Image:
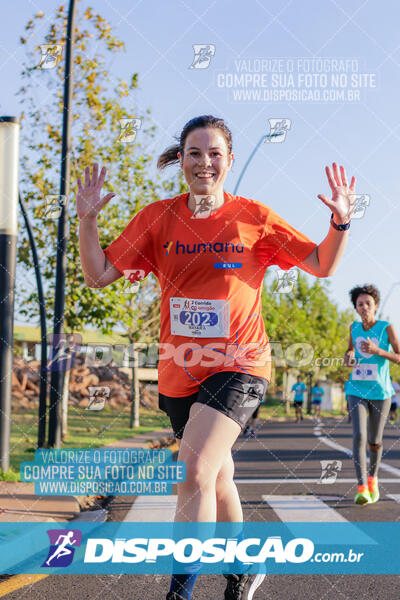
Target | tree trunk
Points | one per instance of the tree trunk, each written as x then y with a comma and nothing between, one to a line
286,392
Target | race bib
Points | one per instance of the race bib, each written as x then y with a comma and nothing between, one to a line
365,372
191,317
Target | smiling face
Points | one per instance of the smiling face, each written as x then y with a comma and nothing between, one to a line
366,307
206,160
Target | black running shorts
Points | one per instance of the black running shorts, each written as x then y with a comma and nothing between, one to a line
236,395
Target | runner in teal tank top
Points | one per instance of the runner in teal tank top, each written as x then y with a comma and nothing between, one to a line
370,379
369,388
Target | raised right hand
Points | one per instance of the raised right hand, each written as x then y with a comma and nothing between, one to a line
88,200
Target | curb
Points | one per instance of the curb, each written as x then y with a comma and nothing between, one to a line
92,516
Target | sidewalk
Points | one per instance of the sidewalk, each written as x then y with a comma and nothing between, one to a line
18,502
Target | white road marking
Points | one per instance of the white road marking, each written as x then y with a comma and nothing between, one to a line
303,509
328,442
297,509
160,509
389,468
395,497
335,445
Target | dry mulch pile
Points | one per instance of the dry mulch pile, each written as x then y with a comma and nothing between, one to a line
26,385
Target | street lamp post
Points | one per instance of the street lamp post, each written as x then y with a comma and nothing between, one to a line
9,150
248,162
43,332
263,138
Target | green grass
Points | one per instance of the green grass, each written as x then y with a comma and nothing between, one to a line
90,429
274,408
86,429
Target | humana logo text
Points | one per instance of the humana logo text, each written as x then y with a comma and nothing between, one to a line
207,247
187,550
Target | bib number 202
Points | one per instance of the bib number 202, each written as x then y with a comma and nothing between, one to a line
197,319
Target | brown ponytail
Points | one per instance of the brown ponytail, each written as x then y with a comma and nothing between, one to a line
168,157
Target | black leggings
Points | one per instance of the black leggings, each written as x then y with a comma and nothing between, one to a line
377,411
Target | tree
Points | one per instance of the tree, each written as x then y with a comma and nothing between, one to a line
306,321
99,103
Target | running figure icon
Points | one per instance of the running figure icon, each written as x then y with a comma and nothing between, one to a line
331,470
63,543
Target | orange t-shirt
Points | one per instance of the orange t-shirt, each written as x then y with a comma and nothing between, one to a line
211,272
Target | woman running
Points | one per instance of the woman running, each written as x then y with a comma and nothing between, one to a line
369,388
209,250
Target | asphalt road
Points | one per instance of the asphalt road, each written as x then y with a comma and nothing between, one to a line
282,460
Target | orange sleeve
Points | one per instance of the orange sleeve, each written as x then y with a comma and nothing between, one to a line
132,251
281,244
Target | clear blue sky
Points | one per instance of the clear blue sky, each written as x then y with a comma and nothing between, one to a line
363,135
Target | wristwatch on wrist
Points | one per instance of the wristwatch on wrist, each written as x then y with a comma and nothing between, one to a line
343,227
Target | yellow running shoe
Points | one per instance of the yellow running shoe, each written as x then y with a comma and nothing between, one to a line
363,496
373,488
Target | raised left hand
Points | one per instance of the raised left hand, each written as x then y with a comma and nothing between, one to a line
343,197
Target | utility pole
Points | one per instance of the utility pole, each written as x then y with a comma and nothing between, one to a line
56,387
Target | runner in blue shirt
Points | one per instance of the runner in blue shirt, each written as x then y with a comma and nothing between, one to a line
298,388
316,398
369,388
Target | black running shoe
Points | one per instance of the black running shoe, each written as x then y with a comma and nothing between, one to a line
242,587
174,596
